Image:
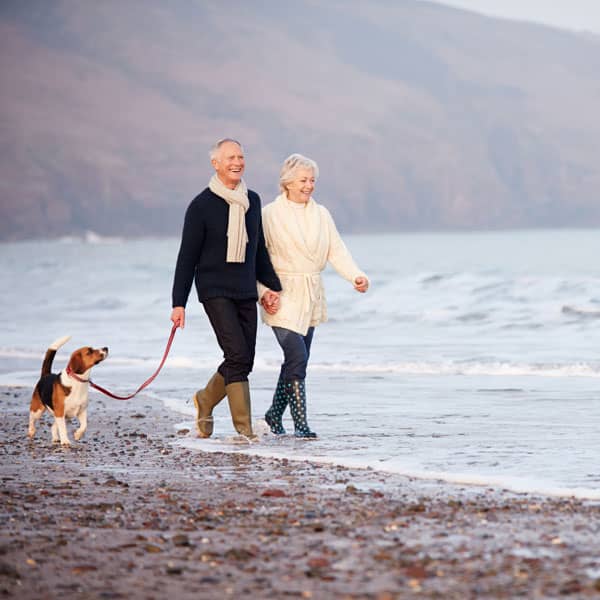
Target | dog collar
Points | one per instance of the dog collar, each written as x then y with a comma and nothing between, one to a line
74,375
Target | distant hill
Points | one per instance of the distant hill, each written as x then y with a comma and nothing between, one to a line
420,116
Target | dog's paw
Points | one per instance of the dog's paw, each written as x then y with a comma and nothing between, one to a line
78,435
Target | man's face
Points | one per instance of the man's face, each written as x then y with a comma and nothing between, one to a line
229,164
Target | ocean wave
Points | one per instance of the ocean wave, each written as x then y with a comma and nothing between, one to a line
462,368
582,313
90,237
435,278
448,368
444,368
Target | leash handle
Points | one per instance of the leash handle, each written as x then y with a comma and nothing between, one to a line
146,383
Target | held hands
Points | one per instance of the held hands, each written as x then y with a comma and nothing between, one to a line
270,301
178,316
361,284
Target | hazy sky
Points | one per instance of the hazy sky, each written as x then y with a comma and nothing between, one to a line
567,14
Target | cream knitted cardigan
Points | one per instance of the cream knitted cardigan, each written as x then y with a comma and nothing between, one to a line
299,253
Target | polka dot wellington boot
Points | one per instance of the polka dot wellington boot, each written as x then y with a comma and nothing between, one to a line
274,415
297,398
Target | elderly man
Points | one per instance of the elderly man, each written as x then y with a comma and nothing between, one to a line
223,248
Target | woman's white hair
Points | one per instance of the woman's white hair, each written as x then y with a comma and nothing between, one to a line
214,149
290,165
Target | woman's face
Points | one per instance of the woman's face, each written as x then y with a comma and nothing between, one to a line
300,189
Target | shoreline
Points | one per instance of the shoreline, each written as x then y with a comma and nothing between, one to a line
125,513
424,479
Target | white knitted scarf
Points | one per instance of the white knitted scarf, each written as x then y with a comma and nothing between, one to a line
237,236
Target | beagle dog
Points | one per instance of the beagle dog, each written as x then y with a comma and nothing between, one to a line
65,394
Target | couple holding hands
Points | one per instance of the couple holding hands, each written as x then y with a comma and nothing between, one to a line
238,254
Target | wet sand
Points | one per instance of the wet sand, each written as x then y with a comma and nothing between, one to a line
125,514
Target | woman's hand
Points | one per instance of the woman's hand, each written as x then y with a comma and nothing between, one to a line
361,284
270,301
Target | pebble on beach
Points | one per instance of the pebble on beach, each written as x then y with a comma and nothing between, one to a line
125,513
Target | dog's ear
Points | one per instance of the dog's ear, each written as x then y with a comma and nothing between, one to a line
76,363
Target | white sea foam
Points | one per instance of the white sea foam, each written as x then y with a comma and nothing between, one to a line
466,368
463,367
92,237
513,484
89,237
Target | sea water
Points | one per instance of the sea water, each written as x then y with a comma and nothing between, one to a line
473,358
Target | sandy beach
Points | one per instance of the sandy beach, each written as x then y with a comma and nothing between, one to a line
126,514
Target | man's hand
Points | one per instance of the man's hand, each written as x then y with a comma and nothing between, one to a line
178,316
270,301
361,284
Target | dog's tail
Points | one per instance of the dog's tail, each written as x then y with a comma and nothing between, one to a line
51,353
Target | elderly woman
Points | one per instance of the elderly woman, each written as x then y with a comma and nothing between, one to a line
301,238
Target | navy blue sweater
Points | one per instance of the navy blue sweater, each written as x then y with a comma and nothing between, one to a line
203,253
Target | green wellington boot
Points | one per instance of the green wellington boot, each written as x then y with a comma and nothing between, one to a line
296,393
274,415
238,394
205,400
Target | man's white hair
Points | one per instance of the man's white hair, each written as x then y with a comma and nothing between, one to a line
214,150
290,165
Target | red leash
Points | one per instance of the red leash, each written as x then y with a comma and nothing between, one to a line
145,384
